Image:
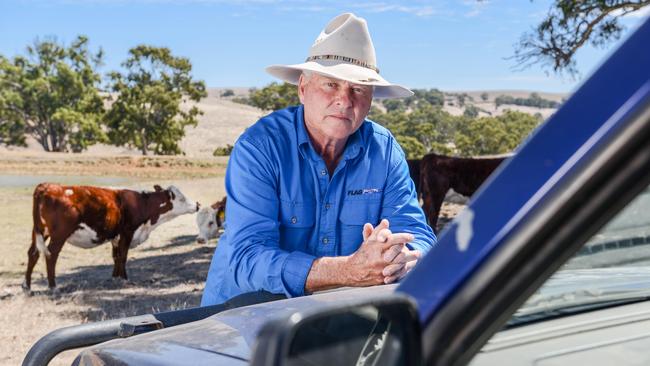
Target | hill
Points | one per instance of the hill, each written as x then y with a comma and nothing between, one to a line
224,120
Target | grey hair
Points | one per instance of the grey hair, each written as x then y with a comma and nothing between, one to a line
307,74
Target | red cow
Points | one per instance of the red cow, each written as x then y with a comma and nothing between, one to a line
436,174
89,216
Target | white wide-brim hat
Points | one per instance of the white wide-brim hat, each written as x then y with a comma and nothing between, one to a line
344,51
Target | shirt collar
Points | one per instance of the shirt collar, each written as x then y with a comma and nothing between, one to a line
354,145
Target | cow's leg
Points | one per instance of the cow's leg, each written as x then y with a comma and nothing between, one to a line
433,193
115,245
32,258
56,243
437,200
120,253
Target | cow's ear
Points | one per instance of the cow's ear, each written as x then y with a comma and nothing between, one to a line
157,188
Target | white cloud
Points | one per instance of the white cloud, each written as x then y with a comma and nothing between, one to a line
424,10
476,7
382,7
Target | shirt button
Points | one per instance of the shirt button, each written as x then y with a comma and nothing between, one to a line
323,172
294,220
325,241
327,206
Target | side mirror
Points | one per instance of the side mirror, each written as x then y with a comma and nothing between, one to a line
375,332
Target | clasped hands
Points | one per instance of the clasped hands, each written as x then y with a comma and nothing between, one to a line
383,257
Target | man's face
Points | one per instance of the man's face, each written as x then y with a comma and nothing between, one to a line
334,108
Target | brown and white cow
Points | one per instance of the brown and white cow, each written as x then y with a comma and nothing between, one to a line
210,219
86,217
436,174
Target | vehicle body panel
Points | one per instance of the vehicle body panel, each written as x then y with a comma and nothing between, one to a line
229,334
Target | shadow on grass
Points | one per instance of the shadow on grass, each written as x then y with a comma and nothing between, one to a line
178,241
157,283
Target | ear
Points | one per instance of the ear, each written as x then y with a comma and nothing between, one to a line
157,188
301,88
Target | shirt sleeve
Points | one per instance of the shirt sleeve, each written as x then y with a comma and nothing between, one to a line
254,256
401,206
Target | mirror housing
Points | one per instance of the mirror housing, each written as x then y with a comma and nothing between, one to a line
382,331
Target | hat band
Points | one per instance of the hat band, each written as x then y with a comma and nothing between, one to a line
344,59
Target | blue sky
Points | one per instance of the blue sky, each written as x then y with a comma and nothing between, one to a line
450,45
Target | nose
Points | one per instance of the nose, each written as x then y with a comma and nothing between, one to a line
343,97
200,240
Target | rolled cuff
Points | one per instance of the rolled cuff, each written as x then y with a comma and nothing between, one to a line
295,271
422,246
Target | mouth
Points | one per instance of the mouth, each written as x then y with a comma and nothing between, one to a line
340,117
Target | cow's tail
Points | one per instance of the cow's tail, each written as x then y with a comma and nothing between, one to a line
38,231
414,171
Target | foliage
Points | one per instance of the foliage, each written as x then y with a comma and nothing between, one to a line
570,25
411,146
485,96
274,96
228,93
420,125
471,111
52,95
223,151
394,105
433,97
494,135
147,112
533,101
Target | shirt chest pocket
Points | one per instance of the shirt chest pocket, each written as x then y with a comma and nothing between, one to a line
296,225
354,214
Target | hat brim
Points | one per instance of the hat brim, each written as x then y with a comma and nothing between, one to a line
343,71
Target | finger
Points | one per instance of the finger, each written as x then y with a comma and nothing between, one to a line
367,230
391,253
400,274
392,268
383,235
412,255
382,225
407,268
400,238
399,258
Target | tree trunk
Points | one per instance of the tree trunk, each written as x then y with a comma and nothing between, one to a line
145,143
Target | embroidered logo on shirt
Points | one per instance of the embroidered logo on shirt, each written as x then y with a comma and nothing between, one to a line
356,192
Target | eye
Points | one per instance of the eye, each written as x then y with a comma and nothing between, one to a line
210,223
360,90
330,84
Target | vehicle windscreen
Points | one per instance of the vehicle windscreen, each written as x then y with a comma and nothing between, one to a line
611,269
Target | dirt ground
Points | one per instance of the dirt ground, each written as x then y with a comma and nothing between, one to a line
167,272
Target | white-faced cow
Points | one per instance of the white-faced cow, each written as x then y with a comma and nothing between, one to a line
210,219
87,216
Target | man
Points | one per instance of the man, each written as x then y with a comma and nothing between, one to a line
319,197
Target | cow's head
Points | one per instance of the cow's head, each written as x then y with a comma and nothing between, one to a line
209,220
180,203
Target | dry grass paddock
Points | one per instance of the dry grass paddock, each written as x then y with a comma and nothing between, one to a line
166,272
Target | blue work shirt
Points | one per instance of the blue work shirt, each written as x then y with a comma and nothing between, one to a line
284,210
